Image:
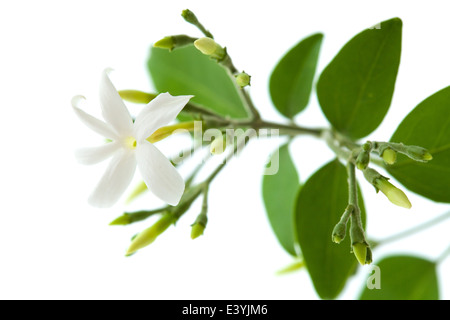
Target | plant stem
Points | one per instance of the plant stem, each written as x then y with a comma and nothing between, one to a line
143,214
353,201
205,200
443,255
352,186
288,129
333,144
415,229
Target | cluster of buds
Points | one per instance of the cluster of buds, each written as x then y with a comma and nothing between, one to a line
388,151
360,247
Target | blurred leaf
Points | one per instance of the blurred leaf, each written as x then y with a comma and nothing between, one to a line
320,204
186,71
428,126
404,278
355,90
279,195
293,267
291,80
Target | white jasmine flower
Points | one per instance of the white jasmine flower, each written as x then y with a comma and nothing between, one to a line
129,147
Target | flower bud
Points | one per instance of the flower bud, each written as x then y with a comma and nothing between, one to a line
243,79
363,159
362,252
189,16
149,235
367,146
418,153
395,195
136,96
218,146
173,42
389,156
121,221
339,232
197,230
165,43
137,191
210,48
164,132
198,227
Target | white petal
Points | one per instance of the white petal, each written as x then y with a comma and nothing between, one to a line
113,108
93,123
96,154
115,180
159,112
159,174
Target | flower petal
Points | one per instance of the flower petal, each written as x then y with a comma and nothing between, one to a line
159,174
96,154
102,128
159,112
113,108
115,180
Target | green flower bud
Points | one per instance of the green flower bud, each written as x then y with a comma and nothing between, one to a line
137,191
136,96
173,42
197,230
389,156
339,232
189,16
340,228
198,227
367,146
243,79
210,48
418,153
395,195
218,146
363,159
362,252
149,235
121,221
165,43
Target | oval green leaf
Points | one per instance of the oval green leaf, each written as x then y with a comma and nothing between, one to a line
320,204
291,80
355,90
280,187
186,71
403,278
428,126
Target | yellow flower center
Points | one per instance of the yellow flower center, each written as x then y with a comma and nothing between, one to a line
130,142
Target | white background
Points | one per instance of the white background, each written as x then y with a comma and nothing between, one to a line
53,245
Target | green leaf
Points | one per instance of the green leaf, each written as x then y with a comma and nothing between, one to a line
279,194
404,278
291,80
355,90
427,126
320,204
186,71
